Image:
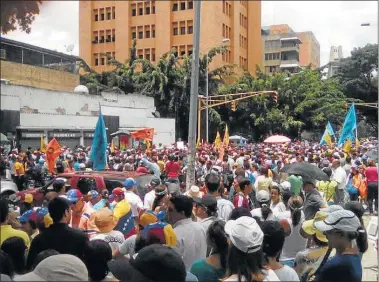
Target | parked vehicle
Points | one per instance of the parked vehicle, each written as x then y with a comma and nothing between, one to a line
8,187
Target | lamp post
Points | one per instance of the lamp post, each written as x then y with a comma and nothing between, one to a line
225,40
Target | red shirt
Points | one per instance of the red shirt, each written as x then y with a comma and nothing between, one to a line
240,201
172,169
371,174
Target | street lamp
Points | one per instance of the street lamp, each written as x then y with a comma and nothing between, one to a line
224,41
368,24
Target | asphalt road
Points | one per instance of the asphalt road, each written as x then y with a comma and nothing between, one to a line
370,260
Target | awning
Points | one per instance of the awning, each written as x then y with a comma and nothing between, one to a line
75,128
121,131
296,39
283,66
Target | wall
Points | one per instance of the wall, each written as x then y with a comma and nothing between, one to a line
28,75
309,50
40,108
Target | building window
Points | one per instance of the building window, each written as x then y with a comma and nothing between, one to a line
109,38
153,7
134,13
153,31
190,29
190,50
134,35
183,30
190,4
147,34
114,55
102,16
223,6
96,17
114,12
140,35
147,57
140,11
140,53
153,54
175,7
175,29
147,11
182,5
96,61
102,61
109,14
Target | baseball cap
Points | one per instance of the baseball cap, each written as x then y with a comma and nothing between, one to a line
129,183
70,268
155,182
28,215
74,195
44,217
309,229
245,234
118,192
142,169
343,220
206,201
104,220
153,263
147,218
331,208
161,231
93,194
263,196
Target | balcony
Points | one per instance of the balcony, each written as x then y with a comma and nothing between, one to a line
295,48
289,63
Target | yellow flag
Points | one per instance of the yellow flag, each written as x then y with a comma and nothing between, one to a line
347,146
357,143
198,144
226,137
42,145
328,139
148,145
112,147
217,142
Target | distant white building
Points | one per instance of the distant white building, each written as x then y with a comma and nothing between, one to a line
335,57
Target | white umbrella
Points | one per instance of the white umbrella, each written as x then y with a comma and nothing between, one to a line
277,139
236,138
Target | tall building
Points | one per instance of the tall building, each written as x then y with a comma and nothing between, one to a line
335,57
309,50
285,49
158,26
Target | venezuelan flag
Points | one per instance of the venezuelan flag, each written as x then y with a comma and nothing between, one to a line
123,213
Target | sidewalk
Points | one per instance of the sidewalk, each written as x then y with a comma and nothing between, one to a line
369,260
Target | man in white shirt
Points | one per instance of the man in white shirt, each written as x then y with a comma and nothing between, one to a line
191,237
133,199
150,196
339,175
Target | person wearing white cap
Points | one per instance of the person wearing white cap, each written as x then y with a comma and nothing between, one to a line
264,212
245,258
341,228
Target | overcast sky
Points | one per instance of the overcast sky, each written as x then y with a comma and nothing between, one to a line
332,22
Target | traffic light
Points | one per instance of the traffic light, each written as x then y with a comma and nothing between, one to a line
275,97
234,105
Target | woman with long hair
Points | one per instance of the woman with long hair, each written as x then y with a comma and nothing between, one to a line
294,241
245,258
342,229
213,267
264,212
161,198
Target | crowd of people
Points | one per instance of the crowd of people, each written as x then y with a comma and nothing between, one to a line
245,218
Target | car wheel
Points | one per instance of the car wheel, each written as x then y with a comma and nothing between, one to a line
6,194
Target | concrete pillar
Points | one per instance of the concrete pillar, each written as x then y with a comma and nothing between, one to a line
81,142
46,137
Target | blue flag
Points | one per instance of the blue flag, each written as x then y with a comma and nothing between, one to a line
329,132
99,144
349,126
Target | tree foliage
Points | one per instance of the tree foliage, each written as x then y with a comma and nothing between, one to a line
306,101
18,13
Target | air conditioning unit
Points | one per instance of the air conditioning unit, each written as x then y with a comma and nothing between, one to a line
3,54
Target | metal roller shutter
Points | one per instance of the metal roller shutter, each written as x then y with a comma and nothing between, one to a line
34,143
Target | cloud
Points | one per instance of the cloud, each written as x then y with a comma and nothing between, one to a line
332,22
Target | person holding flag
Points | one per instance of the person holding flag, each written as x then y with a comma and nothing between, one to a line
53,151
123,213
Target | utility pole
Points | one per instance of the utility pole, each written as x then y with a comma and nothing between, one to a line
190,179
207,109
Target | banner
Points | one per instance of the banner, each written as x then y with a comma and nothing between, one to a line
217,141
124,142
42,145
144,134
226,137
349,126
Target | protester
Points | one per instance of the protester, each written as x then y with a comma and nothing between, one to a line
371,174
263,181
191,235
206,210
276,204
245,258
339,175
153,263
150,196
6,266
95,200
81,212
59,236
273,241
97,254
238,212
62,267
15,247
264,212
28,222
242,199
341,227
161,198
135,202
313,201
294,241
105,222
43,255
213,267
6,230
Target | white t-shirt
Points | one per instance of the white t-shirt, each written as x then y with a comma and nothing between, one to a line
287,273
134,201
339,175
277,208
127,248
114,239
269,275
148,201
258,213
